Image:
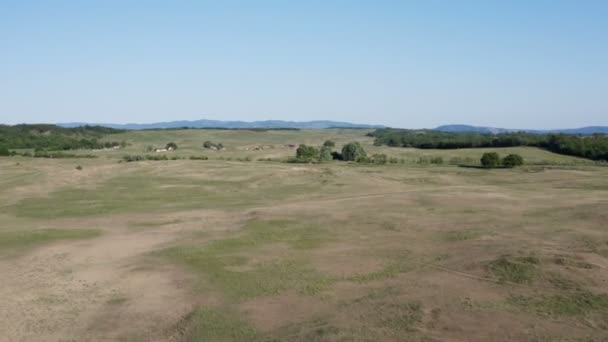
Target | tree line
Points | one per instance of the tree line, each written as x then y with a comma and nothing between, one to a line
54,138
594,147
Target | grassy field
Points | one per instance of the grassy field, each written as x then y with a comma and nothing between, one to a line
229,250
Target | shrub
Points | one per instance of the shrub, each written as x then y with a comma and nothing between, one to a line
79,168
210,145
171,146
4,152
513,160
393,160
45,154
325,154
198,158
329,143
380,159
490,160
157,157
129,158
353,151
307,153
436,160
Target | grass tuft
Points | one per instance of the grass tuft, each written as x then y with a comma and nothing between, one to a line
515,270
576,303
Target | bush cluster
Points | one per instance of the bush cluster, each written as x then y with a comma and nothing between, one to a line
136,158
492,160
211,145
430,160
350,152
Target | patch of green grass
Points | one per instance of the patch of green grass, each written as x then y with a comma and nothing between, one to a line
382,308
139,193
213,325
398,263
117,300
400,316
215,261
462,235
13,241
515,270
567,261
561,283
155,223
575,303
315,330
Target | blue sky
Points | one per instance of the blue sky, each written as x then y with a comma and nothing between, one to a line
517,64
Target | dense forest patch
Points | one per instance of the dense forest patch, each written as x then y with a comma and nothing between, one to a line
593,147
53,137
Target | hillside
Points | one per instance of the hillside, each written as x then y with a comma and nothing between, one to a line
496,130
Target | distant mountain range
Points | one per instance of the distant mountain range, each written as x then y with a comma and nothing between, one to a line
495,130
228,124
322,124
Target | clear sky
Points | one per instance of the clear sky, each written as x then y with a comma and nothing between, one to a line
507,63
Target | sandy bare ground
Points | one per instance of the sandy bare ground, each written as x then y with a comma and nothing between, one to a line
88,290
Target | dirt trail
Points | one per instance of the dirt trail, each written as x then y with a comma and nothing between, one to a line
92,290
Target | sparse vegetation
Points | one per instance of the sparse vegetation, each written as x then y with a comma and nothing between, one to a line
214,261
270,251
574,303
19,241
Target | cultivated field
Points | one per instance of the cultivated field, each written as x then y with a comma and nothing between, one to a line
238,249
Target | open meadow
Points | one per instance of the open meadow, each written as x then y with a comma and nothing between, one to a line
245,246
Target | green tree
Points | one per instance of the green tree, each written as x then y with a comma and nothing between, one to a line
490,160
353,151
4,152
513,160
